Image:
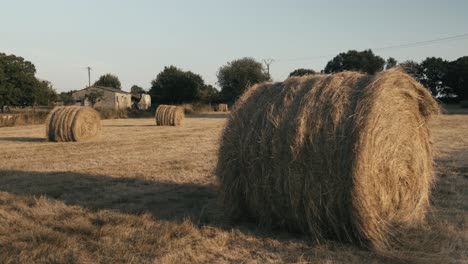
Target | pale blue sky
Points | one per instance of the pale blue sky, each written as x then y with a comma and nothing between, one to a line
136,39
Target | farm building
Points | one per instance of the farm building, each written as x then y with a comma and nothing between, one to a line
103,97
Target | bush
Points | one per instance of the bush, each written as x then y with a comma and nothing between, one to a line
21,119
107,113
188,109
197,108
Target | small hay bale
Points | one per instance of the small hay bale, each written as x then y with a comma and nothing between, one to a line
169,115
223,108
72,123
345,156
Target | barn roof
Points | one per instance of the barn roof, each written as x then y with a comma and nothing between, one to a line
111,89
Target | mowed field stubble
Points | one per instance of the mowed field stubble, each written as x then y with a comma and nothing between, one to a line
146,194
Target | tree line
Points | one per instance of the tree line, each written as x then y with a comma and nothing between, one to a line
174,85
20,87
444,79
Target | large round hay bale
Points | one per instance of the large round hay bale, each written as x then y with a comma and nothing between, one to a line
222,108
72,123
344,156
169,115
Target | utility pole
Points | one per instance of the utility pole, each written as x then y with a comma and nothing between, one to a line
89,76
268,62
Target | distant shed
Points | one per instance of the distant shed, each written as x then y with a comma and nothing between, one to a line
106,97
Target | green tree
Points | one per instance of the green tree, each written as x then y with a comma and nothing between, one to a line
174,85
67,97
363,61
301,72
209,94
94,97
412,68
108,80
44,94
434,72
137,89
18,84
390,63
457,77
236,76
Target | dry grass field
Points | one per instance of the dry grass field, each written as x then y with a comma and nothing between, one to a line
147,194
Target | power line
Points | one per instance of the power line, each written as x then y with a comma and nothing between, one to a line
422,43
399,46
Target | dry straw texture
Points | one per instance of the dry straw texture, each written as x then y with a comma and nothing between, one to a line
223,108
72,123
169,115
344,156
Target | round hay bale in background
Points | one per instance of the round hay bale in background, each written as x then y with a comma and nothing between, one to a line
169,115
72,123
344,156
223,108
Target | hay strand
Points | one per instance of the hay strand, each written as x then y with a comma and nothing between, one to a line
344,156
72,123
169,115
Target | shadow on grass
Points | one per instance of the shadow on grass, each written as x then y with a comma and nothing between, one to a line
129,125
208,115
164,200
23,139
454,109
